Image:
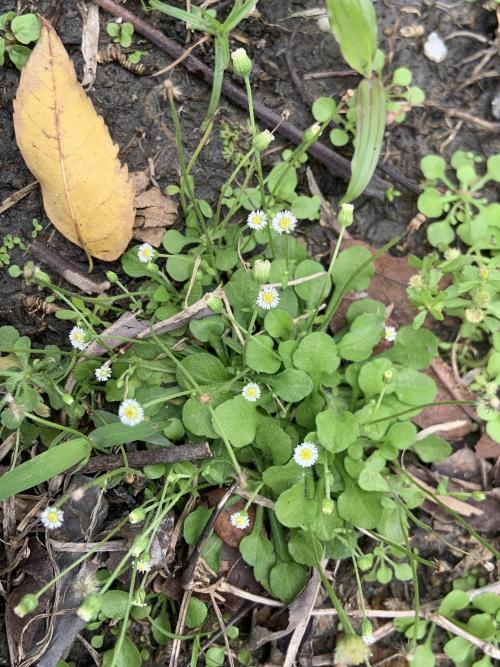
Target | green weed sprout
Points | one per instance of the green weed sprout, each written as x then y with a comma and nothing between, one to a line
16,32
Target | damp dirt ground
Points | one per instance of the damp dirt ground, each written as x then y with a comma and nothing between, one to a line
138,118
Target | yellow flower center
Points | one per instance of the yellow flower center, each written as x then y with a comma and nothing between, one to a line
240,521
251,392
257,220
267,297
130,412
52,516
306,455
284,223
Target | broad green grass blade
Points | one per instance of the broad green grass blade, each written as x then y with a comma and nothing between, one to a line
370,125
354,25
119,434
194,21
238,14
43,467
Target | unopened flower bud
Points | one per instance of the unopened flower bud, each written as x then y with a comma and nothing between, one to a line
42,410
41,277
351,650
474,315
27,604
484,273
139,599
140,544
68,399
137,515
367,632
365,562
451,254
242,65
111,276
327,506
481,298
312,133
90,607
388,376
346,215
478,496
215,304
261,271
262,140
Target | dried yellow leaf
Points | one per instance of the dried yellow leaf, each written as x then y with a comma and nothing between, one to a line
66,145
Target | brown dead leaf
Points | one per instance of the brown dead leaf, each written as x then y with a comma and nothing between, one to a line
66,145
487,448
448,389
154,211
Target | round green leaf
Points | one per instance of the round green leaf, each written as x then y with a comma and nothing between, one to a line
292,385
237,420
317,355
259,355
402,76
313,290
336,431
287,580
339,137
196,613
433,167
415,388
360,508
323,108
278,324
26,28
430,203
347,262
432,448
440,233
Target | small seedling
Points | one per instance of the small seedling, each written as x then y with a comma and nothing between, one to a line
15,33
121,33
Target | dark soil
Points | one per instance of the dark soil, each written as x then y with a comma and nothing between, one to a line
139,121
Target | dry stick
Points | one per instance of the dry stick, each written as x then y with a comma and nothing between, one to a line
485,125
322,153
189,572
66,269
17,196
189,452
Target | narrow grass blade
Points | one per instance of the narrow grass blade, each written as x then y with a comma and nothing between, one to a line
237,14
194,21
43,467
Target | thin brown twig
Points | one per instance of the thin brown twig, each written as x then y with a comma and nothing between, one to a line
11,200
330,74
486,125
179,60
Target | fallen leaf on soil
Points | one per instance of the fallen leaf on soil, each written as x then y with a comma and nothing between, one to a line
463,464
487,448
448,389
223,527
154,211
67,147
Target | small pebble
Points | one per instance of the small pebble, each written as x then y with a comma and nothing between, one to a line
323,23
434,48
495,105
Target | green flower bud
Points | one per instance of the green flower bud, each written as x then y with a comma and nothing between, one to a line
388,376
111,276
367,631
346,215
351,650
90,607
140,544
41,277
27,604
242,65
327,506
484,273
365,562
139,599
137,515
261,271
68,399
478,496
215,304
312,133
481,298
262,140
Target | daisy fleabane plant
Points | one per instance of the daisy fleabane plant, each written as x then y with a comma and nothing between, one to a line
268,298
143,565
240,520
305,454
390,334
52,517
103,373
131,412
284,222
77,338
145,253
251,392
257,220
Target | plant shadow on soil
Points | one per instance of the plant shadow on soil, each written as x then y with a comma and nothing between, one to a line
139,121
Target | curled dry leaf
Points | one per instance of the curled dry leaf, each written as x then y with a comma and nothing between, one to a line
66,145
154,211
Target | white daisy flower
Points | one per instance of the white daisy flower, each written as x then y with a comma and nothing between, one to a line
145,253
103,373
257,220
284,222
240,520
305,454
251,392
130,412
390,334
268,298
77,337
52,517
143,565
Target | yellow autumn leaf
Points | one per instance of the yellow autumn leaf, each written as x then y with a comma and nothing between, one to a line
66,145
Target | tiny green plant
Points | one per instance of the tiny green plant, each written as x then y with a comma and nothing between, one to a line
16,33
122,34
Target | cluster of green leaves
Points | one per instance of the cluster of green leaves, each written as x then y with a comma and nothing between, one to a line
463,281
236,140
16,32
478,617
121,33
400,97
